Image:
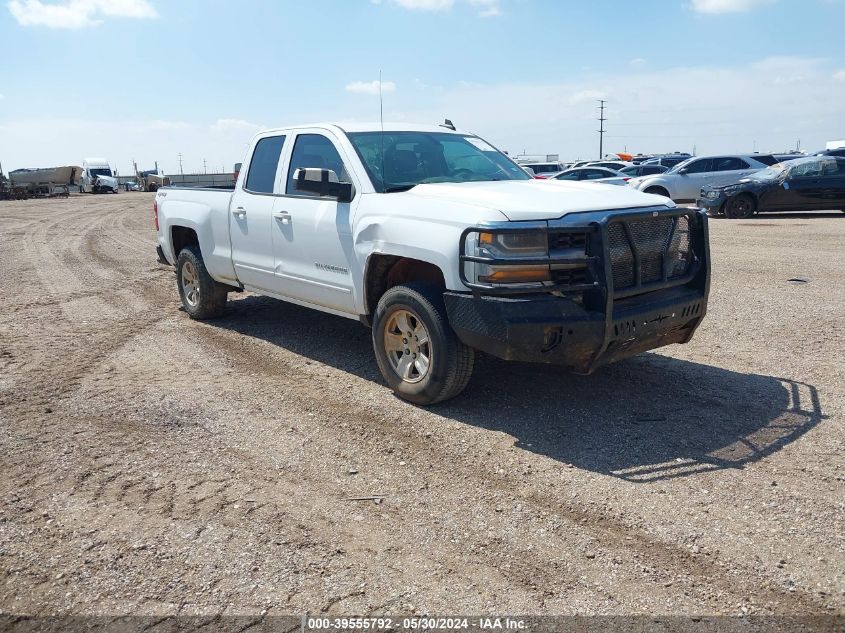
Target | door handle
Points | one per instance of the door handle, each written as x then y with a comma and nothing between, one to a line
239,211
284,216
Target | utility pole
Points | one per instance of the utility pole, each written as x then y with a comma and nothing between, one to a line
180,164
601,129
204,170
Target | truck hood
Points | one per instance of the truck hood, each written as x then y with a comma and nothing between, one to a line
539,199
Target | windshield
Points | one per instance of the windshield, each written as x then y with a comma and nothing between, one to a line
414,158
100,171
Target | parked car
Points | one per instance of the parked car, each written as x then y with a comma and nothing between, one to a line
635,171
443,246
543,170
774,159
594,174
131,185
684,181
804,184
669,160
839,151
616,165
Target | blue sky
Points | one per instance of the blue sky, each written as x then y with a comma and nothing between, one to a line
147,79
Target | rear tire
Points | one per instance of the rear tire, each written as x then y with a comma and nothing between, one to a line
202,296
741,207
658,191
418,353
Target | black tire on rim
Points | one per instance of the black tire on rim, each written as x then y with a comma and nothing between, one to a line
418,353
202,296
741,206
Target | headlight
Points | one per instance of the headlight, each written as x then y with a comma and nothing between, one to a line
511,245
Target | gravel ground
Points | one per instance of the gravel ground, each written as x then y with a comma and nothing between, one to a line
155,465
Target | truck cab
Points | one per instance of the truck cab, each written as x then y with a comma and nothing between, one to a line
443,246
98,177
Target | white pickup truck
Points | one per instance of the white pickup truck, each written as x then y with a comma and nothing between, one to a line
443,246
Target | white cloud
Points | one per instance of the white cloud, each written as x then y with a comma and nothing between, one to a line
649,111
77,14
840,75
238,126
585,95
787,70
370,87
425,5
727,6
487,8
636,62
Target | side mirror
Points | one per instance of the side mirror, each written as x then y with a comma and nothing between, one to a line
322,182
683,170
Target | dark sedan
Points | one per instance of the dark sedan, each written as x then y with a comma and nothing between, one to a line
805,184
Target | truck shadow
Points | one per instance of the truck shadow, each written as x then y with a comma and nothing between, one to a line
645,419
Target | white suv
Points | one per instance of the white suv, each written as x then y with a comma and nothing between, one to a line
684,181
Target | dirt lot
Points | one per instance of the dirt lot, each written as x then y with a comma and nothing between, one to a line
155,465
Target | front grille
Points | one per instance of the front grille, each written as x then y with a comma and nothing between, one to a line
658,242
572,277
566,240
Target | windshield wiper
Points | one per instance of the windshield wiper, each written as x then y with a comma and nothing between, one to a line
397,188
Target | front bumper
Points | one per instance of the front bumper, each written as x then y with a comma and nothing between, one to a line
713,206
583,329
557,330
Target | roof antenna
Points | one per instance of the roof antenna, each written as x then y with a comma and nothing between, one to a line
381,120
448,124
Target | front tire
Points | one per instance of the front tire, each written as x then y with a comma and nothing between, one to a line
418,353
740,207
202,296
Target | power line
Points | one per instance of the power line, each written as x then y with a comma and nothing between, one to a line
601,129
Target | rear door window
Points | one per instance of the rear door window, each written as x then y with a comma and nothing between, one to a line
594,174
729,163
834,168
572,175
264,164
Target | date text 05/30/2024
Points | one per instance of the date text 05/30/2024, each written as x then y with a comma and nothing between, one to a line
414,624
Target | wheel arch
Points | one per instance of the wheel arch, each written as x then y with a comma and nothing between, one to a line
383,271
182,236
